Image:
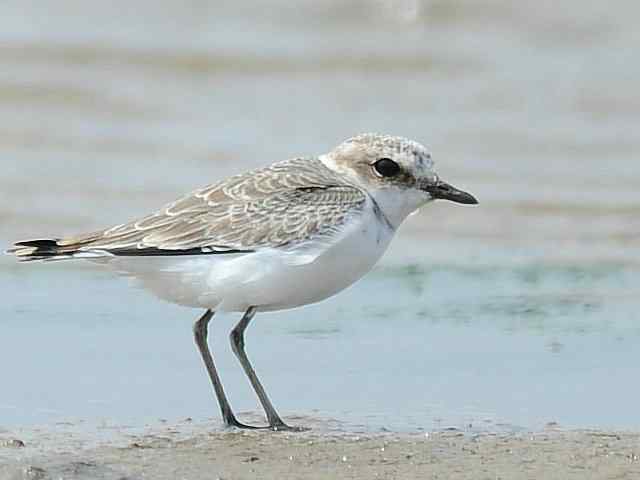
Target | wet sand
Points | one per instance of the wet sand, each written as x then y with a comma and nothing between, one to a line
189,451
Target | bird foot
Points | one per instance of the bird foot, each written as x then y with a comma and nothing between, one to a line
234,423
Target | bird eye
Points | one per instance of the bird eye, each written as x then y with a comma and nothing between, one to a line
385,167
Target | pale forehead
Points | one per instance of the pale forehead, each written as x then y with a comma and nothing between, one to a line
394,147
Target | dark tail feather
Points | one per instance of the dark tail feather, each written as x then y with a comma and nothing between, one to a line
45,249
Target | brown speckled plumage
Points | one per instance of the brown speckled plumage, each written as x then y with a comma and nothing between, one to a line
276,206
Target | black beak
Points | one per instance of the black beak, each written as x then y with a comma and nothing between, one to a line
447,192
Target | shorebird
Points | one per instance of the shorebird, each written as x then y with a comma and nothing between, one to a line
282,236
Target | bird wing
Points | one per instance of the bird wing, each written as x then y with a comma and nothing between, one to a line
278,206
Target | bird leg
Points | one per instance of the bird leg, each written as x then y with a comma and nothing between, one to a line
200,332
237,344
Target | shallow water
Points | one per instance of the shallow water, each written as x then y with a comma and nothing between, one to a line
408,348
519,312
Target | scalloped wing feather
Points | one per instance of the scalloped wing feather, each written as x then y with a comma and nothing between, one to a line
278,206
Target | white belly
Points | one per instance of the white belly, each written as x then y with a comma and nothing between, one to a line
280,282
268,279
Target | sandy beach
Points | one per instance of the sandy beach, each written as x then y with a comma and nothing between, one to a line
199,451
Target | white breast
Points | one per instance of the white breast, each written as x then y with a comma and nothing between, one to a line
276,280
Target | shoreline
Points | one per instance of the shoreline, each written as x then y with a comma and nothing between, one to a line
192,450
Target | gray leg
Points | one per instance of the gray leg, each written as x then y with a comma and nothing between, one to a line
200,331
237,343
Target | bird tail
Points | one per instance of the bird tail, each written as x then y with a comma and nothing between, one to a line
47,249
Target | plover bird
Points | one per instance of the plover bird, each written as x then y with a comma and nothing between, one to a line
282,236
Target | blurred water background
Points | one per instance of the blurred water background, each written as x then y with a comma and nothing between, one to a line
512,314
